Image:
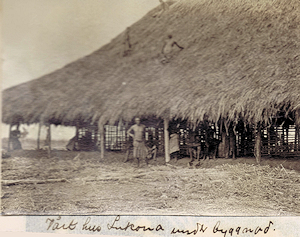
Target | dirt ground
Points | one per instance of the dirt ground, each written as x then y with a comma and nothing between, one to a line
82,183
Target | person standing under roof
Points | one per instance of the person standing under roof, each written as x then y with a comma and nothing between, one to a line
14,138
139,148
174,139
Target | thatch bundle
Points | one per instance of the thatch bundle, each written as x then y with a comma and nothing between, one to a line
240,60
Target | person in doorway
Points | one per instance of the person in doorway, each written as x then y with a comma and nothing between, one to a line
137,132
152,146
71,146
174,140
14,137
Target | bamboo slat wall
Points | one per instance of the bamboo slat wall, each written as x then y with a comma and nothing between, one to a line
281,141
116,138
87,138
276,140
245,139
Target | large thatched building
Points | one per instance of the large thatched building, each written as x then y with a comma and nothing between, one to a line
230,62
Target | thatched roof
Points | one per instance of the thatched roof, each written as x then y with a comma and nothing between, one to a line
240,61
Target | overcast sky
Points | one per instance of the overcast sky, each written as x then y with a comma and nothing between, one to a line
40,36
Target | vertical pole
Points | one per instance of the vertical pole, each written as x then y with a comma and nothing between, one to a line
9,138
283,140
76,145
276,139
296,138
117,134
232,143
227,140
125,134
257,149
166,135
269,141
243,141
248,140
49,137
287,139
227,146
222,144
287,135
39,135
158,142
102,137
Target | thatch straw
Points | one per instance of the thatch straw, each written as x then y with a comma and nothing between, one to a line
240,61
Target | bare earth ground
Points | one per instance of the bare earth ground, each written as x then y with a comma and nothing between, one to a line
81,183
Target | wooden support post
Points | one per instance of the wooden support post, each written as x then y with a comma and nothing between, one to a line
102,137
167,140
243,141
296,138
276,140
117,134
226,146
287,140
39,136
9,138
223,149
257,150
77,132
48,139
96,138
282,140
76,145
232,143
269,141
222,144
126,142
157,137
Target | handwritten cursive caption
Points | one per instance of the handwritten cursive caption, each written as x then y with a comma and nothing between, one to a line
116,224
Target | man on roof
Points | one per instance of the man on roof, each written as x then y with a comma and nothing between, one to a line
169,50
137,132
